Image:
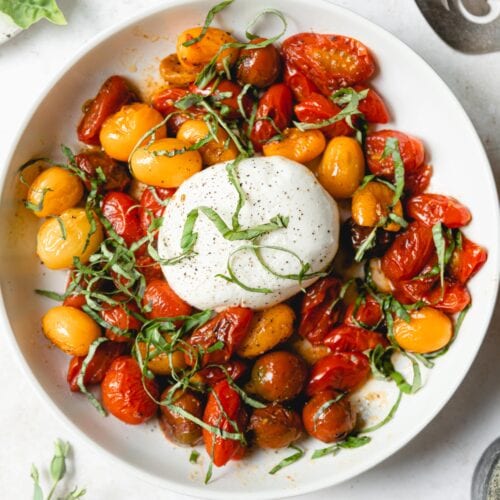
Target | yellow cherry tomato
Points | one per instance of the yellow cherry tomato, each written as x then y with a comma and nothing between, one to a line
53,191
193,131
62,238
197,55
342,167
154,166
162,364
427,331
121,132
297,145
372,202
70,329
174,73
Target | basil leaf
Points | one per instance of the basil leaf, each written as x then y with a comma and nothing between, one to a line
440,244
366,245
50,295
208,475
24,13
208,20
288,460
349,443
388,418
391,149
193,458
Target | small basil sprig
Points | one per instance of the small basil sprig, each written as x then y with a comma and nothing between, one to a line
348,443
288,460
57,473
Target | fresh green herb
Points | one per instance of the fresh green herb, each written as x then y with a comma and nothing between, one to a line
368,244
24,13
388,417
193,458
208,21
324,407
208,475
37,207
349,443
440,244
288,460
62,227
391,149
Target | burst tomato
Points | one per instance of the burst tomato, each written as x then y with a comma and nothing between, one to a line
104,355
430,209
120,316
224,411
151,206
318,312
301,87
343,371
368,313
211,375
330,61
116,174
372,106
149,267
274,114
122,212
453,299
165,101
229,327
161,301
124,395
113,94
467,261
418,181
347,338
414,289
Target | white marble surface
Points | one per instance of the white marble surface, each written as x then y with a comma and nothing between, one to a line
438,463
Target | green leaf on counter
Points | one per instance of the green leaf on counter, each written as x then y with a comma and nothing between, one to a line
24,13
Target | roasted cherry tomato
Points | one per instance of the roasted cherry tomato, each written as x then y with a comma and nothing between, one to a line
122,212
317,108
430,209
275,426
116,174
418,181
327,419
278,376
113,94
149,267
409,253
274,114
366,314
123,394
120,316
259,67
224,411
217,92
411,150
467,260
78,299
415,289
353,236
161,301
330,61
372,106
179,429
151,204
343,371
211,375
453,299
104,355
318,313
299,84
347,338
228,327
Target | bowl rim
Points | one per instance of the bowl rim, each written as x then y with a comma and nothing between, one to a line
196,489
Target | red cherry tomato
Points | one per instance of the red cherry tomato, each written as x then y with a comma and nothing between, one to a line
113,94
330,61
116,174
149,267
368,313
123,393
409,252
467,261
343,371
162,302
301,87
433,208
416,288
229,327
151,206
372,106
120,316
346,338
211,375
276,105
317,108
418,181
224,411
411,150
453,299
76,299
226,87
122,212
97,367
316,313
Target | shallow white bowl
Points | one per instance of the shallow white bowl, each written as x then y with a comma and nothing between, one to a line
420,103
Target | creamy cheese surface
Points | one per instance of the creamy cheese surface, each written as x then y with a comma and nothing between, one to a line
273,186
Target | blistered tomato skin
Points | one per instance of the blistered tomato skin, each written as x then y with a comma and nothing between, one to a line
301,86
53,191
152,205
453,299
372,106
259,67
116,174
429,209
154,168
57,249
121,132
342,371
123,394
121,316
174,73
330,424
368,313
467,260
70,329
354,235
162,302
330,61
347,338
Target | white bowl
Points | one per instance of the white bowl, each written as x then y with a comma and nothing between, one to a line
420,103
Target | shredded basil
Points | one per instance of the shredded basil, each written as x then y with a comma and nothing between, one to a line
349,443
387,418
193,458
440,244
288,460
